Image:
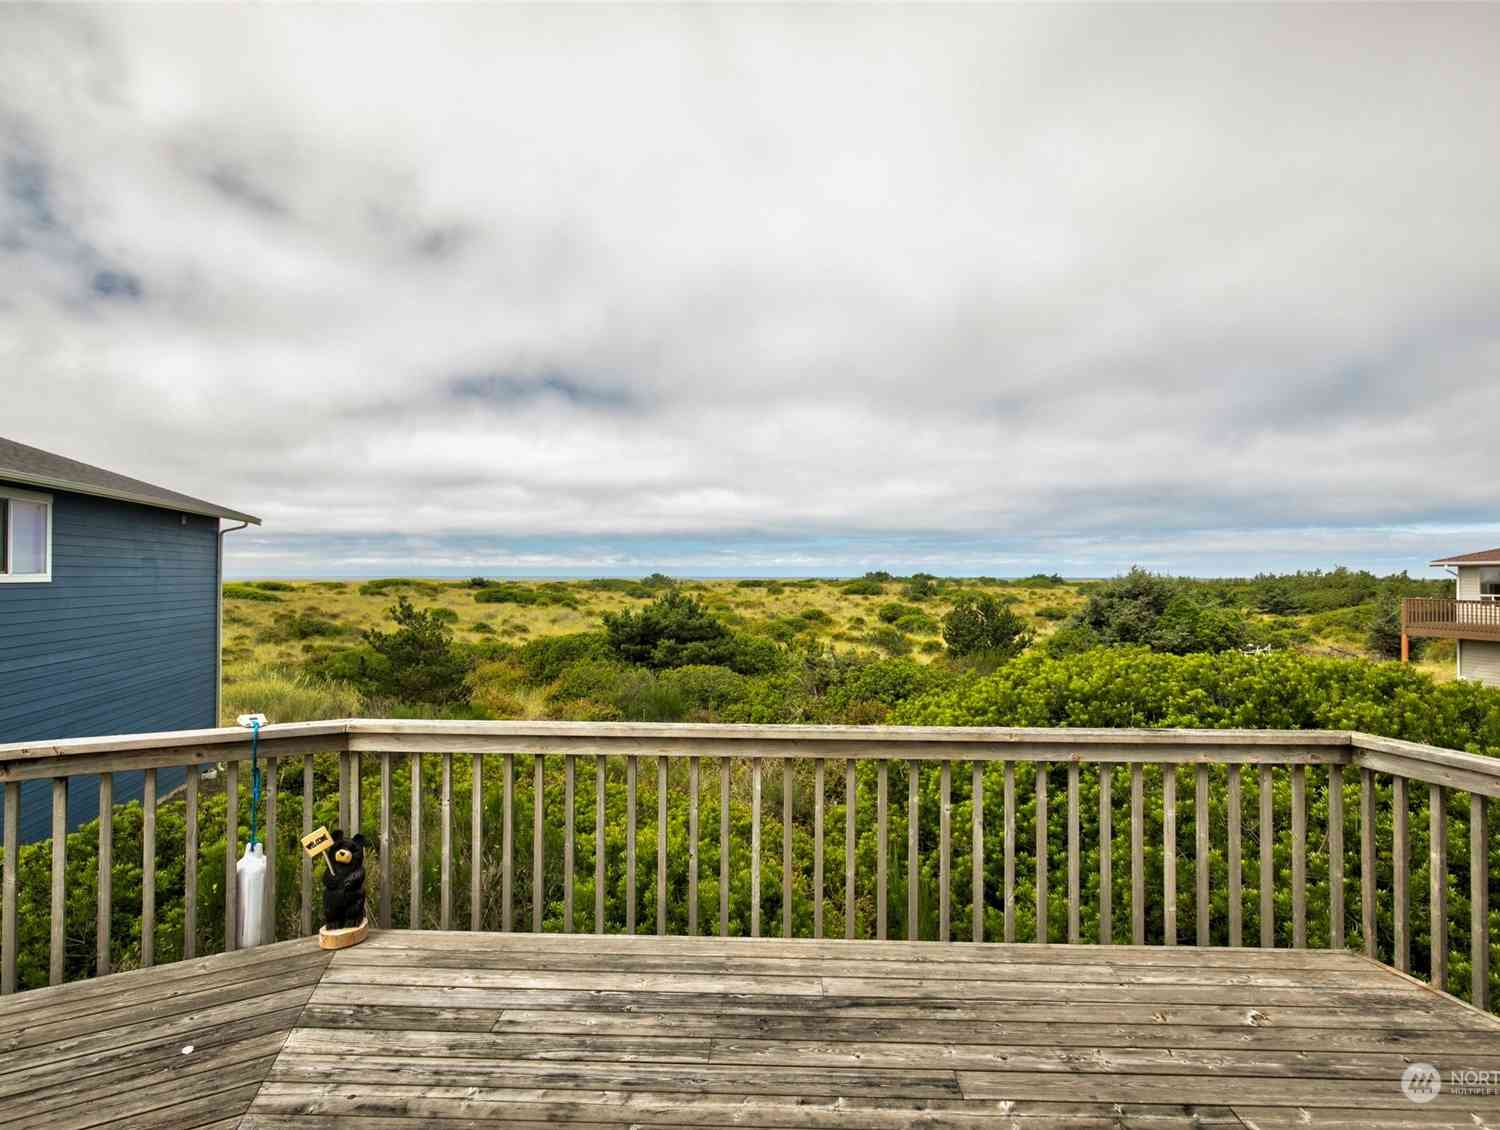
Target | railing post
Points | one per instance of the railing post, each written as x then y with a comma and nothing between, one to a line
1479,900
8,891
1437,870
58,955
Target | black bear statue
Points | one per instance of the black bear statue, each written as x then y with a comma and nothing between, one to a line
344,882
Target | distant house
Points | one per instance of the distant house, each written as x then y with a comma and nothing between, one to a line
109,613
1472,619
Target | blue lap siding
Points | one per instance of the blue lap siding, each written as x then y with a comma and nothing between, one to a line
121,640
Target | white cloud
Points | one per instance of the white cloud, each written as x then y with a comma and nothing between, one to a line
1173,284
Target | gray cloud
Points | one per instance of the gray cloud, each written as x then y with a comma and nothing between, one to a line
1193,286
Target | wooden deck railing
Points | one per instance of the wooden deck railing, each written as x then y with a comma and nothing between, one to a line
378,754
1450,619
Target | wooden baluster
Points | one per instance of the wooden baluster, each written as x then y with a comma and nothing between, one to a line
1041,851
724,767
8,890
356,799
1137,855
508,844
387,860
661,845
345,820
1479,901
1074,855
1299,857
476,838
913,850
1009,877
818,785
268,914
976,795
882,846
1236,861
755,847
148,868
849,847
631,768
104,921
414,921
538,862
945,848
569,782
189,869
58,955
1106,856
599,860
1437,870
693,847
307,866
1200,855
445,841
786,847
1400,858
231,853
1169,854
1267,832
1367,861
1336,856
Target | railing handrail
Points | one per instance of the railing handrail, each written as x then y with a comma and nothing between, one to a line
125,752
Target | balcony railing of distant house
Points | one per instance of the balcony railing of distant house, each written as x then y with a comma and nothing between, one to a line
1332,825
1451,619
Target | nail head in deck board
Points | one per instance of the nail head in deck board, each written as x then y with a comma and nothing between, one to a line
882,846
1106,855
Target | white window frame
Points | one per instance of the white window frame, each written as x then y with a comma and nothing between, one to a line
9,493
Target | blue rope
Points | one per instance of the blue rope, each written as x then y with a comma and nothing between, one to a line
254,780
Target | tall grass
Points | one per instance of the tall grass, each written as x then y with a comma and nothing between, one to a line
284,695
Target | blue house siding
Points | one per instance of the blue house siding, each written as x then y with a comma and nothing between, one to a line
121,641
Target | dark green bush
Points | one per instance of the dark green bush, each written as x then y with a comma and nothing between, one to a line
864,587
543,659
273,586
421,664
245,592
978,624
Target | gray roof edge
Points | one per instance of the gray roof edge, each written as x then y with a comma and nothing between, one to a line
58,472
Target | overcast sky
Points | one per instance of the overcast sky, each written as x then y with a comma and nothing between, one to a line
766,290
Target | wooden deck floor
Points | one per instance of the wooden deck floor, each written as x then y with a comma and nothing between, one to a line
447,1031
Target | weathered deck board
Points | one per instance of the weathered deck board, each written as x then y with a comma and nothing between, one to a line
452,1029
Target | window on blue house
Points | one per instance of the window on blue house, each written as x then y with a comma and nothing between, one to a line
25,536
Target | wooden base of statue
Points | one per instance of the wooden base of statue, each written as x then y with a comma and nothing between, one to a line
342,939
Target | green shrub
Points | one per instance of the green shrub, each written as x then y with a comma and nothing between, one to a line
815,616
1383,636
481,626
284,695
273,586
245,592
893,610
978,624
303,626
444,615
676,630
1187,625
705,687
918,623
387,585
421,664
889,639
1052,612
864,587
921,587
543,659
